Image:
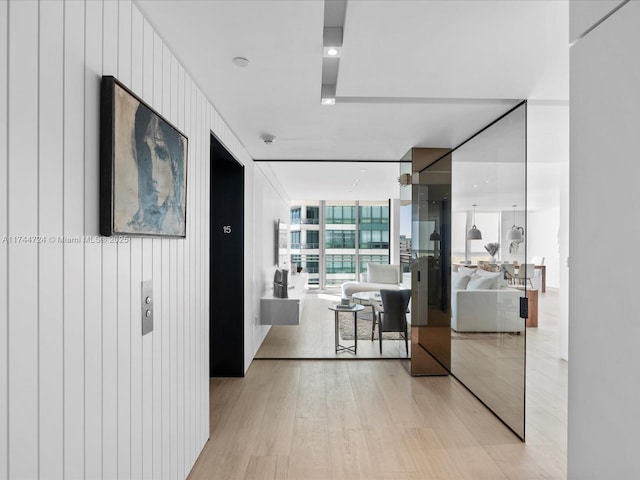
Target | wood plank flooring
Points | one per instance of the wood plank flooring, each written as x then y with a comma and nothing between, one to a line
369,419
314,336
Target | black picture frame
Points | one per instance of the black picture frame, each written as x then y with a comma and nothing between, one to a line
143,167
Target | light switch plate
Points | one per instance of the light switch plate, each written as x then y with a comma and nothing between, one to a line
147,307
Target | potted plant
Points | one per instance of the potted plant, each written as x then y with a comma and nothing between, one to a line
492,249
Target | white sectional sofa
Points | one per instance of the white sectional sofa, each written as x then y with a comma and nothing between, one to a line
481,303
377,277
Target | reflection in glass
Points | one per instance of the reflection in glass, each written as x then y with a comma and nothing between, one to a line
430,266
488,336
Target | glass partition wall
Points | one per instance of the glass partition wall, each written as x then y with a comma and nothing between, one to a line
468,278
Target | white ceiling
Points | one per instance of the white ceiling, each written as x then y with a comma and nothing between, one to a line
412,73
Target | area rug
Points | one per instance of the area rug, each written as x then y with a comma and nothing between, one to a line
345,320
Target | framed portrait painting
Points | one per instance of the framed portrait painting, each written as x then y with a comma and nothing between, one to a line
143,167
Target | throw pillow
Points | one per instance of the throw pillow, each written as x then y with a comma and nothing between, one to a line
377,273
495,276
459,282
464,271
480,283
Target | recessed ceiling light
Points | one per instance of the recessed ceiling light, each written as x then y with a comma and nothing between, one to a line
356,180
331,52
475,186
486,181
328,101
363,169
241,61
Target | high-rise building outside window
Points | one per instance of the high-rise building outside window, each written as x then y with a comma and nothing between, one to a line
295,215
313,215
336,247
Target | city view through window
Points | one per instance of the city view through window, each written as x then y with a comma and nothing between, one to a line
334,241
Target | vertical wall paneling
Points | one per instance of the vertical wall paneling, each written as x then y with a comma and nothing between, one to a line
183,279
183,303
177,287
165,293
195,284
22,265
173,354
190,283
206,261
93,314
147,257
124,276
50,227
137,52
73,270
4,311
110,38
124,361
82,393
156,337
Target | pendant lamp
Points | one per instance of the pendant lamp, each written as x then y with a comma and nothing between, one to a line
474,233
516,234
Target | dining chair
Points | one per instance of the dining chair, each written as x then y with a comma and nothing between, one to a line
392,313
509,272
525,274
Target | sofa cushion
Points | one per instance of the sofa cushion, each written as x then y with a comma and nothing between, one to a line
377,273
495,276
465,271
459,282
478,282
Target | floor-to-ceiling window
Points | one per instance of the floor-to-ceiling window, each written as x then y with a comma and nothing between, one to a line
334,241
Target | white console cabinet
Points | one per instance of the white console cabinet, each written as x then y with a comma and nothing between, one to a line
284,311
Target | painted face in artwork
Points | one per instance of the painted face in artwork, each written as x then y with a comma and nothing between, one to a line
159,158
161,175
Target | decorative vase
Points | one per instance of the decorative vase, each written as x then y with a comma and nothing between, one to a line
492,261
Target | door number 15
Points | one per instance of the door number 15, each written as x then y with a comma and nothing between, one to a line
226,229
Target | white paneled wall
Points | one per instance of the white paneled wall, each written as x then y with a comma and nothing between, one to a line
82,393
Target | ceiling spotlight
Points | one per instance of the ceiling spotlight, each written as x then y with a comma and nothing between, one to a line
241,62
332,41
331,52
328,94
268,139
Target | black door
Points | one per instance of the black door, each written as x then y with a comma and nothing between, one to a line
226,332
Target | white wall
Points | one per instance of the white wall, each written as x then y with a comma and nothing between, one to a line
604,327
269,206
82,393
544,241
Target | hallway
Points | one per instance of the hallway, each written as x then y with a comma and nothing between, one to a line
368,419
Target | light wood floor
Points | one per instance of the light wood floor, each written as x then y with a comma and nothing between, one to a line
369,419
314,337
